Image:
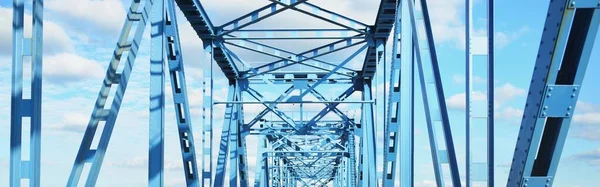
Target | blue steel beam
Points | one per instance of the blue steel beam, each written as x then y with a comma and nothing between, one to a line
380,31
331,107
490,95
479,171
266,110
180,98
565,48
392,124
229,119
255,17
407,84
156,122
302,56
368,139
20,107
200,22
86,154
259,50
261,47
207,120
316,9
280,34
274,110
438,156
324,78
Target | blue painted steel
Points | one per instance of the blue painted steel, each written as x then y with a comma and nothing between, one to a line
478,170
195,14
562,60
233,25
381,30
234,125
490,95
392,124
368,139
339,66
207,119
438,105
22,107
156,132
86,154
285,62
180,98
407,84
468,89
314,8
229,120
351,160
277,54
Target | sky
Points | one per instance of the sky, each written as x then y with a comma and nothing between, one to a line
78,44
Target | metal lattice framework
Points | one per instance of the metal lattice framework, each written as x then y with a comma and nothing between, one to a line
327,146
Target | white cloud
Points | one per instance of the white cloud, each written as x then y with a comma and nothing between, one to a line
447,21
458,101
55,38
591,157
107,15
503,39
513,115
503,94
592,118
72,122
460,79
71,67
506,93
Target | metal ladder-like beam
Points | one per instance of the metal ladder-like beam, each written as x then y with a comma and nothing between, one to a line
26,105
479,167
108,116
433,98
565,48
180,97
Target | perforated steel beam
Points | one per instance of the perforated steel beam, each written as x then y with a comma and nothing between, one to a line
433,98
26,105
479,113
565,48
95,156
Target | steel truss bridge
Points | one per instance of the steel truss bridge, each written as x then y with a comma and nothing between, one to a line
312,149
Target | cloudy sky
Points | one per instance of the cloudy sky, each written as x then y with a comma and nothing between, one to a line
79,36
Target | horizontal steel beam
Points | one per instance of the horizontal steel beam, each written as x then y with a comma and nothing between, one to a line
290,102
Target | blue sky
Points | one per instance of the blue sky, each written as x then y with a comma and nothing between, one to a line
79,42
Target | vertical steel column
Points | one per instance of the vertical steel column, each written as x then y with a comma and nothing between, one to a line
32,107
393,116
368,139
261,163
234,136
478,170
86,154
407,84
435,110
157,96
229,120
207,115
490,94
241,148
351,171
180,98
565,48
